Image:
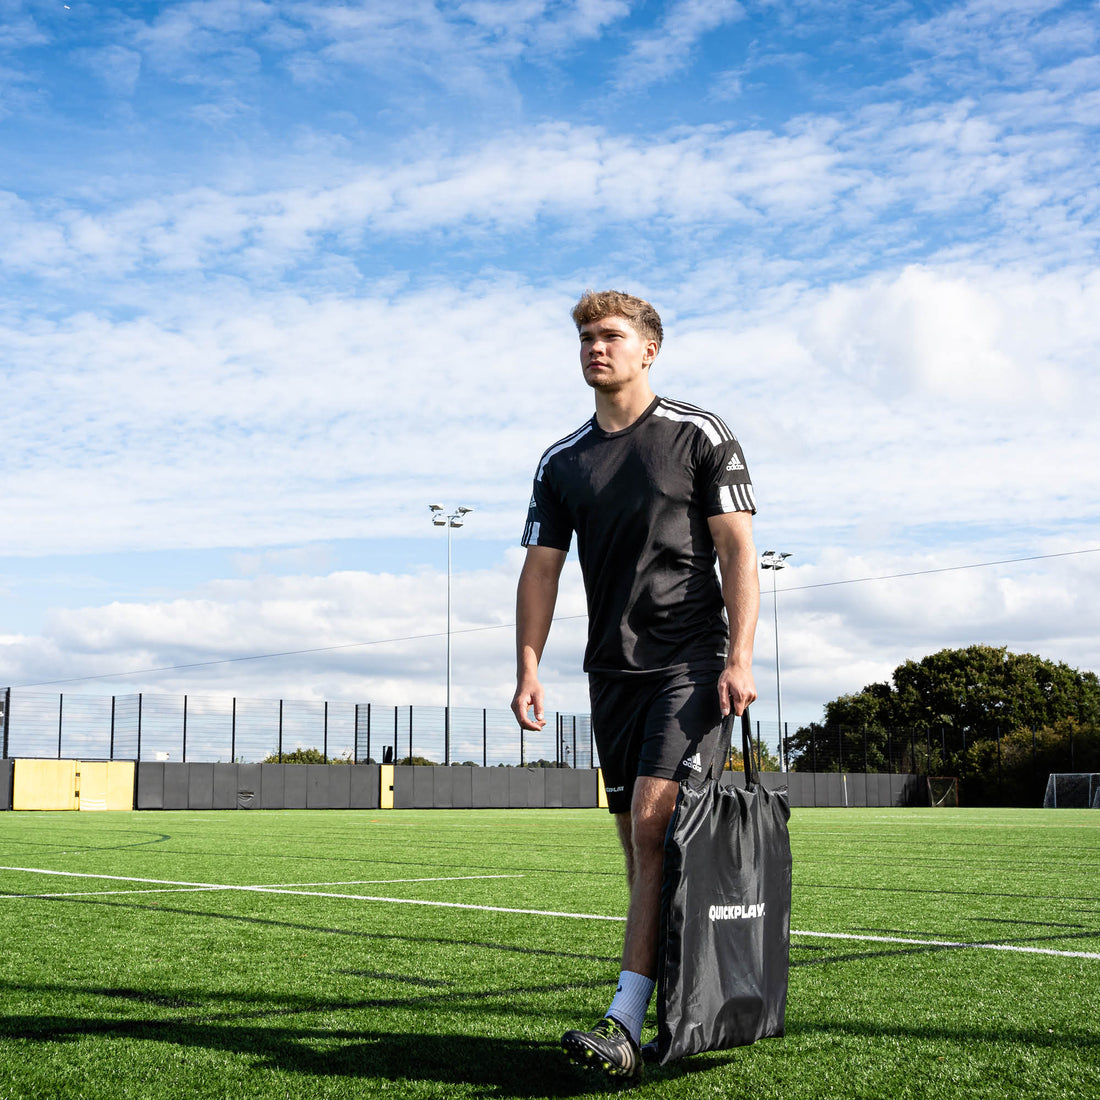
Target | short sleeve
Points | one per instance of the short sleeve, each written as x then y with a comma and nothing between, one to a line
722,479
548,521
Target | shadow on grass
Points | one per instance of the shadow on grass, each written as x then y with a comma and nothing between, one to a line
224,1008
494,1067
301,926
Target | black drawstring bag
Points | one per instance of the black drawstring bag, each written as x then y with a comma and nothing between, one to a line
724,947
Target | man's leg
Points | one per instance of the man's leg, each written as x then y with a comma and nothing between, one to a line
614,1043
642,833
656,730
643,837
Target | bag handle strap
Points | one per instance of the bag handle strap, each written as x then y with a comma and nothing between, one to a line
752,768
725,743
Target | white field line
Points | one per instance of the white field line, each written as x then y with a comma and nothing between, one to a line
116,893
956,944
170,887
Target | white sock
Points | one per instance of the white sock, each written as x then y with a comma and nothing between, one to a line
631,1001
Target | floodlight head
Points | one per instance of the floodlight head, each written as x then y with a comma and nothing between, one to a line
455,521
463,510
439,520
436,507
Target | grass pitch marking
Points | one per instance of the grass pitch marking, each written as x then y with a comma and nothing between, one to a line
317,894
168,886
209,886
1016,948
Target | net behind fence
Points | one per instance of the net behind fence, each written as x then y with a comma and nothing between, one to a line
1072,790
943,790
199,728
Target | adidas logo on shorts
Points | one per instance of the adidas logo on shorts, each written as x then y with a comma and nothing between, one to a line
693,762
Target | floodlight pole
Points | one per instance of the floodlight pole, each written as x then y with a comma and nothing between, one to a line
776,561
442,519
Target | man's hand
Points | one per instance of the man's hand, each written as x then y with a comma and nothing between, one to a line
732,534
536,596
529,695
736,689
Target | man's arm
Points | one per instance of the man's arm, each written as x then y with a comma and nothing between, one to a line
732,535
536,596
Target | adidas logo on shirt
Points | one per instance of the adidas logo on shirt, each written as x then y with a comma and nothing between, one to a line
735,463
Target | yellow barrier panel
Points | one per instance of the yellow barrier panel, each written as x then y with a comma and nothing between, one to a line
44,785
108,785
73,785
385,787
601,793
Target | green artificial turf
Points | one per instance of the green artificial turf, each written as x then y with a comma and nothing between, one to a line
149,989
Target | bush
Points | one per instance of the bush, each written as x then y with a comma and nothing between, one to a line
305,756
1018,776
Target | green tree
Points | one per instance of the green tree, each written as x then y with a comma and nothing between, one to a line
965,712
298,756
1014,770
305,756
766,759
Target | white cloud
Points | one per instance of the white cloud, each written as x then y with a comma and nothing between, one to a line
944,405
118,67
260,421
890,291
378,638
833,639
216,422
930,399
467,47
544,24
986,338
667,49
555,171
999,180
836,640
1005,34
181,32
18,28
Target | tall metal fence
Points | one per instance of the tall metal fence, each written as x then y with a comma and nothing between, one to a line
850,749
996,766
206,728
939,750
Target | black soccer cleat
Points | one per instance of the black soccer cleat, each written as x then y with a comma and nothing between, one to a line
608,1047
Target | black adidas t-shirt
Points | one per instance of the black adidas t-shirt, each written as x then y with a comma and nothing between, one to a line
639,501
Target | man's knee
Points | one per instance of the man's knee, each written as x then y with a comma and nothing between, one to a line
654,801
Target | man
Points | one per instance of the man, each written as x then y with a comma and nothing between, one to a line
656,491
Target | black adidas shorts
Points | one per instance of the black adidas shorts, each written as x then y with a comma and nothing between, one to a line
664,725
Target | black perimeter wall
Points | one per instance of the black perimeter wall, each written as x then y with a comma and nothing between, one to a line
204,786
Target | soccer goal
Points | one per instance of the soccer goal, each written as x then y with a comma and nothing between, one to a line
943,790
1072,790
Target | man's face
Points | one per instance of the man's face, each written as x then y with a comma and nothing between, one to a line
614,354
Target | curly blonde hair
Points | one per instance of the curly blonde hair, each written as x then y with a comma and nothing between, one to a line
595,305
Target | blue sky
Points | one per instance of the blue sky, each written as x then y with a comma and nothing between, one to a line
277,275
